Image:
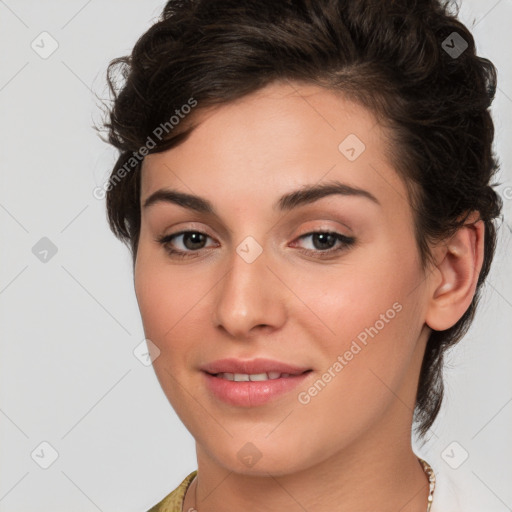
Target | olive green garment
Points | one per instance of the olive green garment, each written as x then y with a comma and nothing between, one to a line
173,502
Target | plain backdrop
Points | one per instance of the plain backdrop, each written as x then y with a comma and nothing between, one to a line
73,395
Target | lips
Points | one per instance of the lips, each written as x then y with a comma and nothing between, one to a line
252,383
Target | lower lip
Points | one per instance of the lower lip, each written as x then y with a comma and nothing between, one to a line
252,393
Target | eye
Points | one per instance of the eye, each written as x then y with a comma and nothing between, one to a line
188,242
326,243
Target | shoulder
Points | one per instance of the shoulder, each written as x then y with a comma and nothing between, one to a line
173,502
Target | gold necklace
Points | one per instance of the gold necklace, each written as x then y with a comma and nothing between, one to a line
431,480
426,467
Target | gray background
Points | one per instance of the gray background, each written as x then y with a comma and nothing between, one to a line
69,326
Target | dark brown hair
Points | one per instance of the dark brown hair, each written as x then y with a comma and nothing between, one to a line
412,62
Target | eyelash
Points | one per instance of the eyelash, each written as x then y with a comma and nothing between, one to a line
345,243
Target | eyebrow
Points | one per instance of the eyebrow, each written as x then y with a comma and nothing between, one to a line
305,195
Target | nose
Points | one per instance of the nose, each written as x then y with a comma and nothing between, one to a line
249,298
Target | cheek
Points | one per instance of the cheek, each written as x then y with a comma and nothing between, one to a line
342,301
164,301
165,294
166,308
366,313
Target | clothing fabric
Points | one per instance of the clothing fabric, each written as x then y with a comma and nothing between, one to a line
445,496
173,502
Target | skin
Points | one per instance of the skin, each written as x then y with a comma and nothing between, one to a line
355,434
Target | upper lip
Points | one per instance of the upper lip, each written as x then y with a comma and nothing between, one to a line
252,366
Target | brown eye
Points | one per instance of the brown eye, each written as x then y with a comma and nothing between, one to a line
327,242
184,243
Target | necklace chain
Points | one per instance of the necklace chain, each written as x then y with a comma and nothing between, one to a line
431,480
426,467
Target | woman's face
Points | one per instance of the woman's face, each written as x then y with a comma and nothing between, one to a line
256,278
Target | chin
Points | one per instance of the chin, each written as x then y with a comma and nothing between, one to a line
260,458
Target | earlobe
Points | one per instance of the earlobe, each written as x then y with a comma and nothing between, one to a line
460,262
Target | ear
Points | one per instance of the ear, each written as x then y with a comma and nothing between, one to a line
459,261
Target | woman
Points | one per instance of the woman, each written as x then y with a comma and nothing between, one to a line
305,189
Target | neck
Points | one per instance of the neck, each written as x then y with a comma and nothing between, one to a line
378,472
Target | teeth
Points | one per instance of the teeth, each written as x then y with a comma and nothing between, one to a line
258,376
245,377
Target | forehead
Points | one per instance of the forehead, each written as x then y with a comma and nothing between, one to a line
281,137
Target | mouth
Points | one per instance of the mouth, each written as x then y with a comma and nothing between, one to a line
253,389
